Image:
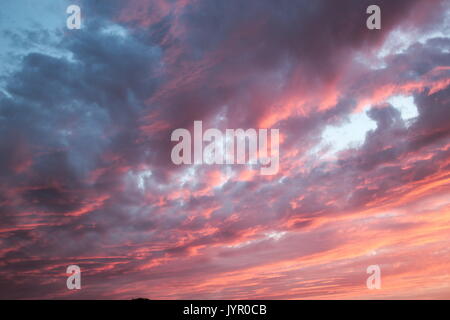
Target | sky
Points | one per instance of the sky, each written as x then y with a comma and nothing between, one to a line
86,176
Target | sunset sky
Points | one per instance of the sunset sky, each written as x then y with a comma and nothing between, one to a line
86,176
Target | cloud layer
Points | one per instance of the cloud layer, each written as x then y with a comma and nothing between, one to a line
86,176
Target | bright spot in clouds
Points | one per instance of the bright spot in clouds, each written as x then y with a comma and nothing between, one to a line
275,235
141,176
405,105
351,133
115,29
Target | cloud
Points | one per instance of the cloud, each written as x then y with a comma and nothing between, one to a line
86,176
